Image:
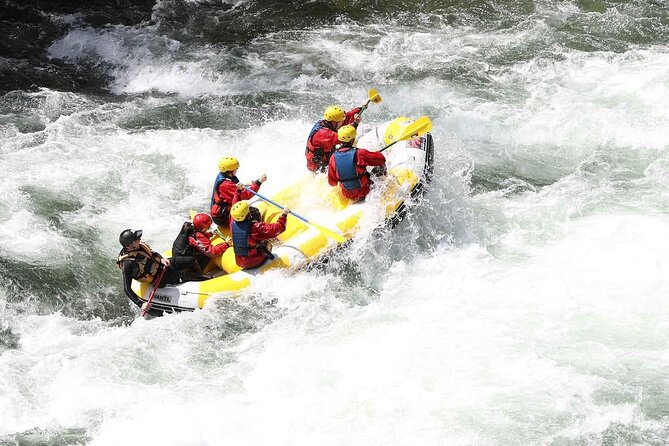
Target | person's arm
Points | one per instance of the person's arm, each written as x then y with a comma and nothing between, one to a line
202,243
129,270
239,187
352,116
220,248
264,231
367,158
229,192
255,186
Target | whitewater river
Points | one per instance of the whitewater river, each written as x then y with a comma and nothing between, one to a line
523,301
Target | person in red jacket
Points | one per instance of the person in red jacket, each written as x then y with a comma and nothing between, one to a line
250,234
200,240
348,165
192,249
323,136
226,187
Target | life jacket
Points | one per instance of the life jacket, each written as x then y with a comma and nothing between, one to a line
241,238
347,171
317,153
216,198
181,247
148,262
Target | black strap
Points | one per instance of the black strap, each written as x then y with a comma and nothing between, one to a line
268,253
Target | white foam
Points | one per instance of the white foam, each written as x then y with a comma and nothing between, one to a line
510,328
457,338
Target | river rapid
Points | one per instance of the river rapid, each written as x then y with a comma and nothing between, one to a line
523,300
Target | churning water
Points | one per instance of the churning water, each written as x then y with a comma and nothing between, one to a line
523,301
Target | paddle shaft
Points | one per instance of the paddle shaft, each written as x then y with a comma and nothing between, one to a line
295,214
375,97
390,145
364,107
328,232
420,126
143,312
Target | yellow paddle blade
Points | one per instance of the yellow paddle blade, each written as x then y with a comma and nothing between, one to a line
420,126
333,235
374,96
192,214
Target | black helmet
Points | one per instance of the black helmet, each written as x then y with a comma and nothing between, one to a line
128,236
255,213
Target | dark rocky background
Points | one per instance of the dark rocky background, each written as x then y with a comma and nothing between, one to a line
30,27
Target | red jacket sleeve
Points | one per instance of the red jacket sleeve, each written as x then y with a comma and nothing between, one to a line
350,115
246,195
202,243
228,190
367,158
264,231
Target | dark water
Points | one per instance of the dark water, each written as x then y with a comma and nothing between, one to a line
32,26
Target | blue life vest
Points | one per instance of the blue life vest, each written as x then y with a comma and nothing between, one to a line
346,170
216,198
318,154
310,145
241,231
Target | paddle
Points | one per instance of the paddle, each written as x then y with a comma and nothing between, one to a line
333,235
373,96
420,126
143,311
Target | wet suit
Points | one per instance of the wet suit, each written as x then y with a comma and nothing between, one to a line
131,270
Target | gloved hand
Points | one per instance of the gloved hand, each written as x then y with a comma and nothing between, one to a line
379,171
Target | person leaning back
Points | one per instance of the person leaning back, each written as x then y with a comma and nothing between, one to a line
138,261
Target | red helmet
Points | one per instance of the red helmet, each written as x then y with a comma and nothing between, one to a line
202,222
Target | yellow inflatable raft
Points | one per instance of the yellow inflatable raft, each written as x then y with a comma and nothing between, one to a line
409,165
